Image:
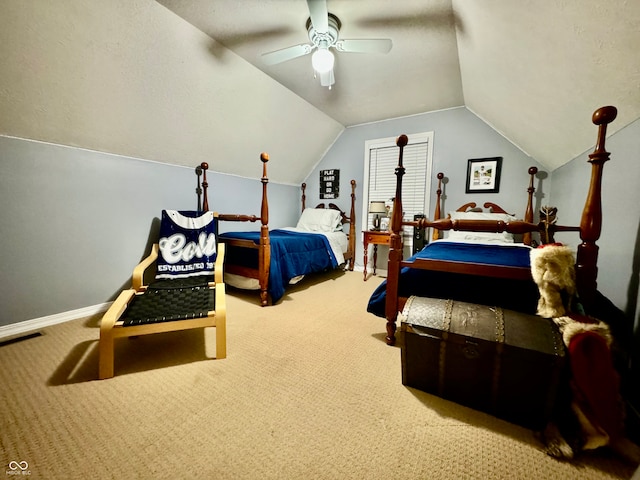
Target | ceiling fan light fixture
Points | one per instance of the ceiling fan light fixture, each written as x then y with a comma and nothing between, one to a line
322,60
323,29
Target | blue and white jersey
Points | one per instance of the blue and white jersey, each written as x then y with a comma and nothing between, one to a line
187,244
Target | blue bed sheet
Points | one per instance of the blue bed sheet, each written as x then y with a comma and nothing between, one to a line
512,294
292,254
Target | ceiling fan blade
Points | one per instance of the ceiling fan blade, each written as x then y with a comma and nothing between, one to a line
284,54
319,15
372,45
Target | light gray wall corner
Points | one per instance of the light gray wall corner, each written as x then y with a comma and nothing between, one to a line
458,136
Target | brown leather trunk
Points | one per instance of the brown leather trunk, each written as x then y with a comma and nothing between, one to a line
502,362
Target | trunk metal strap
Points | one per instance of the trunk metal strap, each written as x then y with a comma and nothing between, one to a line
497,364
446,326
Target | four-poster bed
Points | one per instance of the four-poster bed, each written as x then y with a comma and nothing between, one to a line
268,260
456,261
508,285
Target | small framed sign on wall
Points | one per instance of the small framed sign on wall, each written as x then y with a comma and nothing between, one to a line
483,175
329,183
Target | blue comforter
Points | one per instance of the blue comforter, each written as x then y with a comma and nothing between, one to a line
512,294
492,254
292,254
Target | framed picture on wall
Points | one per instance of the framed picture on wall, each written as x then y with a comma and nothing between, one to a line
329,183
483,175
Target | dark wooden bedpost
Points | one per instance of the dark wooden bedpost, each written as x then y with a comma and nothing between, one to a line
437,214
528,213
352,226
205,185
264,254
304,197
395,248
591,222
199,189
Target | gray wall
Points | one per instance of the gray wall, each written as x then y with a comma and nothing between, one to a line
75,222
458,136
619,255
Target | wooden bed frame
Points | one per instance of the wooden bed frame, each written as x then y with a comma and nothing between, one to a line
261,273
528,214
589,230
350,254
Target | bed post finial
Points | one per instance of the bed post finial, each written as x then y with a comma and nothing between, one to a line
205,185
602,117
591,221
528,213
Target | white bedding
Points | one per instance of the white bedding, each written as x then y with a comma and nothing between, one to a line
483,242
338,241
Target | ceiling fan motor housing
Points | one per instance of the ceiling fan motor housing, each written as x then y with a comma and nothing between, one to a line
325,39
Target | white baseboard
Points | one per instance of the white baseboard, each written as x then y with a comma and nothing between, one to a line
28,326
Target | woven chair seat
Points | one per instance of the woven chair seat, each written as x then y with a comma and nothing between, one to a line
172,304
187,282
166,304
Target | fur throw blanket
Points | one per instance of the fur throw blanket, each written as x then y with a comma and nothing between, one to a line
552,268
592,414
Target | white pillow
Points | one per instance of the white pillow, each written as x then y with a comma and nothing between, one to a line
505,217
319,220
494,237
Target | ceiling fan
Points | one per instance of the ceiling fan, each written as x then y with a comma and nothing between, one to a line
323,29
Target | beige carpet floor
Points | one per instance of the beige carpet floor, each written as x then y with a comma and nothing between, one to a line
309,390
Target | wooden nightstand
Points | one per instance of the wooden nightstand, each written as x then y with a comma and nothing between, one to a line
374,237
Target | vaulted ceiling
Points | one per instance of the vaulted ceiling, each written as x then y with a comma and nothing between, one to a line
534,70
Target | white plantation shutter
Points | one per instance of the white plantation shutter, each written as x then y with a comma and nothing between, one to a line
381,160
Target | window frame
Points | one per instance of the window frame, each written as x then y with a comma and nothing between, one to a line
415,139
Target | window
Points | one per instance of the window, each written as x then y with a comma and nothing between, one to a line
381,160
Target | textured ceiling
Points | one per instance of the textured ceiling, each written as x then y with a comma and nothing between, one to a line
368,87
534,70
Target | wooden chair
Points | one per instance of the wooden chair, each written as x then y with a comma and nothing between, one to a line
165,305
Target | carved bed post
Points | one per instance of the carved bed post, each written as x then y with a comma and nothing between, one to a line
395,248
199,188
264,254
591,222
352,226
304,197
528,213
205,185
437,214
